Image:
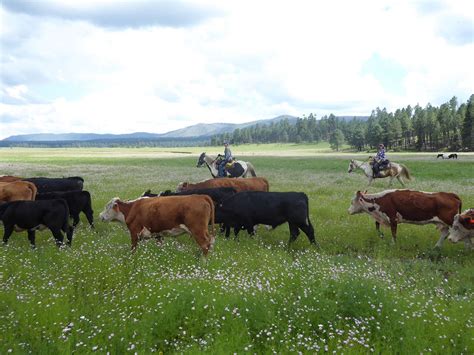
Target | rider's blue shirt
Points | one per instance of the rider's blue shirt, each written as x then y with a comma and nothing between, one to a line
380,155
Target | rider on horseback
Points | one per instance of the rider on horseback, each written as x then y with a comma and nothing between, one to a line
380,161
227,158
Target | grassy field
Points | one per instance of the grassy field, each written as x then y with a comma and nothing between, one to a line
357,294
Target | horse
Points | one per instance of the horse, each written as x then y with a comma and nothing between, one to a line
447,156
393,171
239,169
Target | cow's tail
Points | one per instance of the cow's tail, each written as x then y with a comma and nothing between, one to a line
33,189
267,185
89,212
251,169
405,172
67,228
213,223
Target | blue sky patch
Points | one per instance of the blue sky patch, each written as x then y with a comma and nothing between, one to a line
389,73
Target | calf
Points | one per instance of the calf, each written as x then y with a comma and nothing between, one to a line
57,184
249,208
17,190
77,201
392,207
463,228
171,215
36,215
239,184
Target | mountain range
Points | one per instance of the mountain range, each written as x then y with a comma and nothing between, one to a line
200,130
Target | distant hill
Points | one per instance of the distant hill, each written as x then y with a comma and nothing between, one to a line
197,131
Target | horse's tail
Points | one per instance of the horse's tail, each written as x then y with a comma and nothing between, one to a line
405,172
251,169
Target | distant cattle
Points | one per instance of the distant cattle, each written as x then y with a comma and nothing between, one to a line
463,228
45,184
77,201
9,178
250,208
392,207
17,190
239,184
36,215
161,216
447,156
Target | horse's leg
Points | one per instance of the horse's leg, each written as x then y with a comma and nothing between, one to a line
399,178
370,180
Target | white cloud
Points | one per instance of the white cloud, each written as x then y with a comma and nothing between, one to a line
247,61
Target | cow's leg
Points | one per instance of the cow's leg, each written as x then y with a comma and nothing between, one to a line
58,236
393,227
75,220
399,178
444,234
294,232
391,180
227,231
31,238
203,240
8,230
309,231
69,233
377,227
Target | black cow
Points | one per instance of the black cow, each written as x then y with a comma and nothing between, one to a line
44,184
77,201
246,209
36,215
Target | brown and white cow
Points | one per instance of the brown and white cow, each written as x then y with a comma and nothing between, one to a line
164,216
463,228
392,207
239,184
17,190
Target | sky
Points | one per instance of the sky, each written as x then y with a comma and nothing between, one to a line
116,66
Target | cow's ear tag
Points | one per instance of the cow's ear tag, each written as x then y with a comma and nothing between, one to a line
471,221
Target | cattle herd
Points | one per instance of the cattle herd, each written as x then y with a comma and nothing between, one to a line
30,204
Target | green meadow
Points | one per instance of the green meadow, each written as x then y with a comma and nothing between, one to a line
356,294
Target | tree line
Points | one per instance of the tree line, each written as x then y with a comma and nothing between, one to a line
447,127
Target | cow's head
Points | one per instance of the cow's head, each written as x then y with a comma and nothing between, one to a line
112,212
463,228
201,160
357,205
182,186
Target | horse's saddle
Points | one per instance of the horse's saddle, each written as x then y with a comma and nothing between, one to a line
230,164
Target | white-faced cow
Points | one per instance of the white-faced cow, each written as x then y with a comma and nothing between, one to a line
164,216
392,207
463,228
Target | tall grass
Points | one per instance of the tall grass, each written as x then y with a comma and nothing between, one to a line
358,293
